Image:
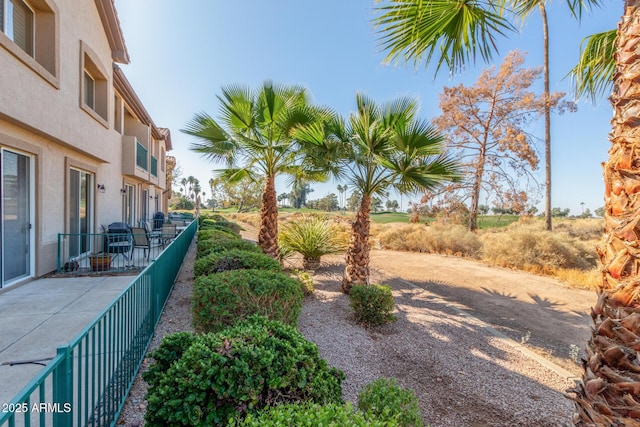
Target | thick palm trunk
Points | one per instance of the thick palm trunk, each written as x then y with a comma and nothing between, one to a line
356,269
609,393
268,235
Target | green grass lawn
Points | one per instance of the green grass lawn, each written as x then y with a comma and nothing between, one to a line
484,221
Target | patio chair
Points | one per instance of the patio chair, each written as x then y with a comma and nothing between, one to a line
152,233
141,240
168,233
118,240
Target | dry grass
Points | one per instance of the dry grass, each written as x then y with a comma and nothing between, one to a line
437,238
567,253
582,279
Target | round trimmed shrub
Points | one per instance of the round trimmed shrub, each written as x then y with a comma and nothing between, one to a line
220,245
217,233
384,399
255,364
211,224
310,415
372,304
170,349
234,259
221,300
217,246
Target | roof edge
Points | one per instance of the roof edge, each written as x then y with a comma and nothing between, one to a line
113,30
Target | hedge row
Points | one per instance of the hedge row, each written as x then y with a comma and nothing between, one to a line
247,365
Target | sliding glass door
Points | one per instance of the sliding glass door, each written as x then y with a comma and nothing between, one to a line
17,216
80,212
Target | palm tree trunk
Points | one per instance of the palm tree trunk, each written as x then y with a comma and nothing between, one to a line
547,118
609,392
268,234
356,270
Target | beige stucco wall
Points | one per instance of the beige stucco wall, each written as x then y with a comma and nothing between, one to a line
46,121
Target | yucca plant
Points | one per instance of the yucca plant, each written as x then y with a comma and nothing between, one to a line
312,236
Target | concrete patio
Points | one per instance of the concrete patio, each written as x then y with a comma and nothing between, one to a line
44,314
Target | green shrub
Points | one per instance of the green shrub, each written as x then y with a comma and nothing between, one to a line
220,245
233,259
217,227
255,364
372,304
222,299
311,236
209,224
216,232
310,415
383,399
170,349
305,279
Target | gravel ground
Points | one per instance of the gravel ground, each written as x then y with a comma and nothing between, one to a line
462,374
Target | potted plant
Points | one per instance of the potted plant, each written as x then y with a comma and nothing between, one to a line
311,236
100,261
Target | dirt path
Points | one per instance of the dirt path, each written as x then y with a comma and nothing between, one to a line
550,317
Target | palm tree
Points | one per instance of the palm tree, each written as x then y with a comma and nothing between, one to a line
593,75
380,147
610,385
254,138
608,393
414,30
184,183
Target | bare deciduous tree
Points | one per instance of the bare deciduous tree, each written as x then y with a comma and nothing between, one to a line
487,125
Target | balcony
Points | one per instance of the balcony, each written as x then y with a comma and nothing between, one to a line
135,158
108,253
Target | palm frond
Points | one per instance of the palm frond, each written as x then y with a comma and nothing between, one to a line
593,74
236,107
215,144
459,30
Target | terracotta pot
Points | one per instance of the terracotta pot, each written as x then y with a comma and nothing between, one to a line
100,262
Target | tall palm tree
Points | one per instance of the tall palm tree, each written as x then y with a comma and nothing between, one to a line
184,183
378,148
609,392
254,138
415,29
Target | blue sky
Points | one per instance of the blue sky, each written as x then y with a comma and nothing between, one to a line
182,53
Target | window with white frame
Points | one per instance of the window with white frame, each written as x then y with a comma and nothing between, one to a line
89,90
17,21
94,88
29,30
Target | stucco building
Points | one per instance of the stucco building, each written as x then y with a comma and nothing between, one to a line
77,147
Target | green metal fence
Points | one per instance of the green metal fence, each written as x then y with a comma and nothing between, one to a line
86,384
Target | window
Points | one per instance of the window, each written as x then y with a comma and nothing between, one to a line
29,31
154,166
117,114
94,87
89,91
18,23
129,205
141,155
